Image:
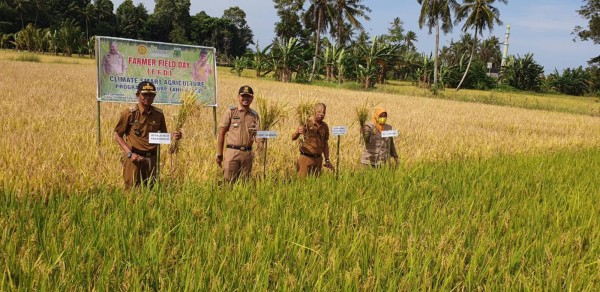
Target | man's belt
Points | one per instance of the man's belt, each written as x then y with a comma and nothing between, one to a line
311,155
241,148
143,153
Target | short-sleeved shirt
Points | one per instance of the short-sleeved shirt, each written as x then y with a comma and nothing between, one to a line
241,126
315,138
135,125
114,64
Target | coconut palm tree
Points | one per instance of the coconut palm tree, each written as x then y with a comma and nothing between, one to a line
436,14
21,6
348,10
319,14
69,37
89,12
479,15
489,50
410,38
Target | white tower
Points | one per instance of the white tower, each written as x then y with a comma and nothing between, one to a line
505,50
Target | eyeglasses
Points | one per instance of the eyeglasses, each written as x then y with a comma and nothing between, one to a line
152,95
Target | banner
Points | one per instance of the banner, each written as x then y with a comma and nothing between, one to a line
173,68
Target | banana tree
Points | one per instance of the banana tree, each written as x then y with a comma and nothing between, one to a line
407,63
373,56
340,63
424,73
366,75
331,60
239,64
51,41
5,39
260,61
28,39
285,58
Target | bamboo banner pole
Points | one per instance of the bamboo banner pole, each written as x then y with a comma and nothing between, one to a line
265,159
99,132
338,131
337,163
214,120
158,164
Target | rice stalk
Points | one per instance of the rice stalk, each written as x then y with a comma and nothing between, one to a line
271,112
362,114
304,111
187,108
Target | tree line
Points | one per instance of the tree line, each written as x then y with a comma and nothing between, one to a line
314,40
60,26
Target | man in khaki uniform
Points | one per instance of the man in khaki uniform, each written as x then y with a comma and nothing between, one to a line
237,132
315,145
114,62
132,135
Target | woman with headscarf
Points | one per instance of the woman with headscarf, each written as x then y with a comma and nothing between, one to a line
377,149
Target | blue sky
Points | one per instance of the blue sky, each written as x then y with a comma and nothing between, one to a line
541,27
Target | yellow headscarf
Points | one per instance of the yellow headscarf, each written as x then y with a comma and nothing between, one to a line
378,110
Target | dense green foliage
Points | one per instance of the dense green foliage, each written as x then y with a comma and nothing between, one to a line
595,80
591,12
571,81
68,27
478,15
523,73
476,77
505,223
170,22
437,14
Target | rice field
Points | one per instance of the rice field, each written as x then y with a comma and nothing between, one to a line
488,197
50,134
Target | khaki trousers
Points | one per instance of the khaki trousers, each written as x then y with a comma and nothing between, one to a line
309,165
139,172
236,164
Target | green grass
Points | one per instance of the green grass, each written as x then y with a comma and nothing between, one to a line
520,99
45,58
28,58
505,223
513,98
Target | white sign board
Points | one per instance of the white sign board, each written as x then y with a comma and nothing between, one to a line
339,130
390,133
266,134
160,138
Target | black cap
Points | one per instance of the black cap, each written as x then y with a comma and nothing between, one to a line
246,90
146,87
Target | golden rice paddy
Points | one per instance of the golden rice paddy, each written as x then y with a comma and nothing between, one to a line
49,128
